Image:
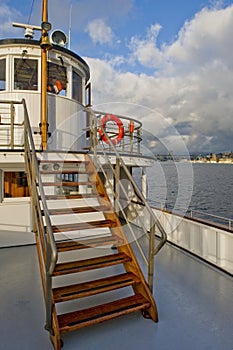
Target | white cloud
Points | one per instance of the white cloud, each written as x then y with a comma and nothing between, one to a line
206,38
100,32
145,50
193,87
133,96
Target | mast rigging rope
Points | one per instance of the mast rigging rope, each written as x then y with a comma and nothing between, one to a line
30,14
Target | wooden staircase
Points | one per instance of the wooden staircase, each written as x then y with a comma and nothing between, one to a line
97,276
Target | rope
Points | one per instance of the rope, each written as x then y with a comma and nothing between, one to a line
30,14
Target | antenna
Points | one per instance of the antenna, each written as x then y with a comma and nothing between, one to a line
29,29
70,23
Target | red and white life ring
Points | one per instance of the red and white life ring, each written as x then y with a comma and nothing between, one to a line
55,88
121,131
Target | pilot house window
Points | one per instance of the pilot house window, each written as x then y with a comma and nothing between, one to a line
25,74
2,74
77,87
57,79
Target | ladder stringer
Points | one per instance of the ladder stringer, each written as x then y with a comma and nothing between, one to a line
55,337
132,265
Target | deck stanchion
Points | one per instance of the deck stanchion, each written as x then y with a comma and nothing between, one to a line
151,254
117,185
12,125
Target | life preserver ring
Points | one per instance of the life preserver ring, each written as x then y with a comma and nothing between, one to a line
121,131
55,88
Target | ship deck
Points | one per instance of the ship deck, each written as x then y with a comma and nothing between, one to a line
195,303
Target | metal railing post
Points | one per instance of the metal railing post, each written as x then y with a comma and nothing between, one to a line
91,136
48,291
117,185
151,254
138,138
131,142
12,113
95,141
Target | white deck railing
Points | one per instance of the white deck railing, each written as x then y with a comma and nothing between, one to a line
207,240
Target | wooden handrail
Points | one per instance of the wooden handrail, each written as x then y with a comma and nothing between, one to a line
46,237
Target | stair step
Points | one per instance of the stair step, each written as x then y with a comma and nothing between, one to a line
68,183
87,289
74,196
79,210
72,203
60,157
83,318
63,171
64,246
60,161
83,225
90,264
76,218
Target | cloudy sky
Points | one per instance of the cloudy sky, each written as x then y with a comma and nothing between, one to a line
168,63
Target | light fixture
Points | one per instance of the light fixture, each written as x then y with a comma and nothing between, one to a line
58,38
56,166
24,53
45,167
46,26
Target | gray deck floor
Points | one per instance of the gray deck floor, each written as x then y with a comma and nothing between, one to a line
195,304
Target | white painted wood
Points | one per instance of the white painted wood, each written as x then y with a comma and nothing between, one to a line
15,214
76,218
79,234
72,203
56,156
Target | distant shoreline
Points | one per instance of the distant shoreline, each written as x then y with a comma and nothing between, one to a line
211,162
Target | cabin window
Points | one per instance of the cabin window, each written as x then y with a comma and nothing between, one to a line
15,184
25,74
57,79
2,74
77,87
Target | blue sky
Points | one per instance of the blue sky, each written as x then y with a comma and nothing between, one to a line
167,62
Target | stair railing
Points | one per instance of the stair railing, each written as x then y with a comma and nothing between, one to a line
9,129
41,223
154,226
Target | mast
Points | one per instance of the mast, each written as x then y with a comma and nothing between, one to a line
45,46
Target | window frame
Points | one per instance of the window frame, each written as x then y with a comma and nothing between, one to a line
63,78
5,70
75,71
14,58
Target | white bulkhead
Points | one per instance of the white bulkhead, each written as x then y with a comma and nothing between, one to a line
67,75
67,91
